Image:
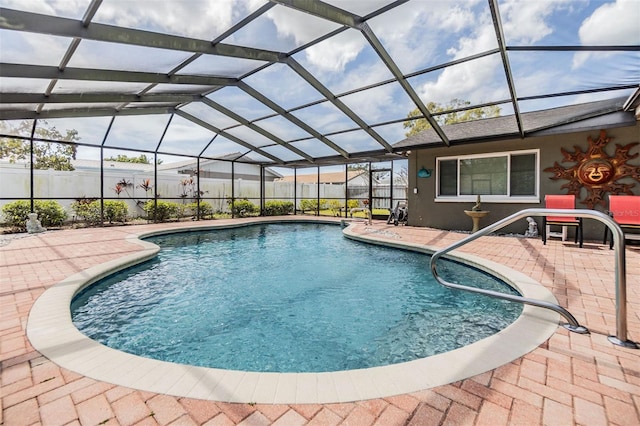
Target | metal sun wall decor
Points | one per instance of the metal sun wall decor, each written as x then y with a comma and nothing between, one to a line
597,171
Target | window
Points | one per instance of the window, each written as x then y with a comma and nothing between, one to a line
504,176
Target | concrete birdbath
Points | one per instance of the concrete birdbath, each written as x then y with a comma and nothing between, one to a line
476,215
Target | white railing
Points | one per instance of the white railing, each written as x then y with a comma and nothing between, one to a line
362,209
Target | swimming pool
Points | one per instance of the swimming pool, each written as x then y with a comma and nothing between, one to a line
52,333
288,298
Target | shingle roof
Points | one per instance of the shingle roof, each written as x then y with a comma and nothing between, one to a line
506,126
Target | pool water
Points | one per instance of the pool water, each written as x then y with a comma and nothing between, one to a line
287,298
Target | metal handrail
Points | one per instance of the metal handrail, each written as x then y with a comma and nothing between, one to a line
363,209
620,270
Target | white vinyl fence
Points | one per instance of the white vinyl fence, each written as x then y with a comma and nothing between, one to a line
67,186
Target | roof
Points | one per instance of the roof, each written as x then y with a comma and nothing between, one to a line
332,177
178,166
534,123
112,165
301,83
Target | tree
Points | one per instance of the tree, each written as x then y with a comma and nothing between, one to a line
142,159
402,177
46,155
355,167
418,125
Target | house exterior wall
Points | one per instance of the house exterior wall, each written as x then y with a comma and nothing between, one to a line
222,170
424,210
360,180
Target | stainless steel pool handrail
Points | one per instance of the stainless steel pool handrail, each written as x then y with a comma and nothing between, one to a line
620,338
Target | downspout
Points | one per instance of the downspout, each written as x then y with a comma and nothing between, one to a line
346,189
101,185
233,186
262,190
104,140
295,191
155,187
370,187
32,175
391,183
198,188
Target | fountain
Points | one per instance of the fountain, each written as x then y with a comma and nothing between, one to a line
476,213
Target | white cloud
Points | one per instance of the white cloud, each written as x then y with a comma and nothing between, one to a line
417,33
473,81
405,35
615,23
362,75
36,49
525,21
283,86
302,27
335,53
359,7
373,105
67,8
456,19
482,40
203,20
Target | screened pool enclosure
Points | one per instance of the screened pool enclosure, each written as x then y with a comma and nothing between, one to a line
286,100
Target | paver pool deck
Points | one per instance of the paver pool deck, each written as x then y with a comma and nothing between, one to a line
569,379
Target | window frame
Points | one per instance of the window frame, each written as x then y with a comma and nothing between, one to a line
508,198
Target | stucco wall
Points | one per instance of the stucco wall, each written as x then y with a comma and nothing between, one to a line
425,211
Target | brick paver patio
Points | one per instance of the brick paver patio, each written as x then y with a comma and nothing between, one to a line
570,379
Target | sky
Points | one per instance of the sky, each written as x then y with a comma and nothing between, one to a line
417,35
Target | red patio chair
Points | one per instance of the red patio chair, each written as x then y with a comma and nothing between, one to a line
625,210
561,202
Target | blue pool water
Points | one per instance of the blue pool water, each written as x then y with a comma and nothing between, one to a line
287,298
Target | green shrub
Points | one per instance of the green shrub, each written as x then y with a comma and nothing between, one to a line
87,209
16,214
308,205
206,210
164,211
183,210
278,208
115,211
243,208
50,213
353,204
335,206
380,212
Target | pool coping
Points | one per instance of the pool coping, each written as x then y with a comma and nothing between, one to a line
52,333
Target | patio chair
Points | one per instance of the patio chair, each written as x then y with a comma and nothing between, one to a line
399,214
625,210
561,202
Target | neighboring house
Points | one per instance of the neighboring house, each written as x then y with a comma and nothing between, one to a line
357,187
220,169
85,181
354,178
114,166
217,169
489,158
